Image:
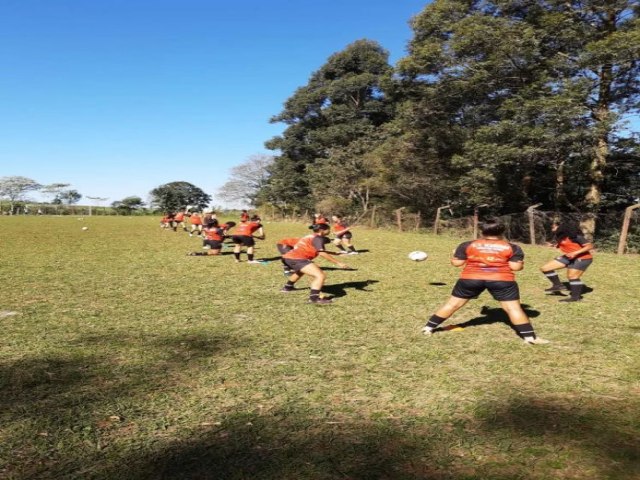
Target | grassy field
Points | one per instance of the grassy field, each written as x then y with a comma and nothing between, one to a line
128,359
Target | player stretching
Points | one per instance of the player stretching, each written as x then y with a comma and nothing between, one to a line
489,263
299,260
343,235
286,245
196,224
576,258
244,237
214,235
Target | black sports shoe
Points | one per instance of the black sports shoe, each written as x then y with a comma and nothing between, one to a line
569,300
556,288
320,301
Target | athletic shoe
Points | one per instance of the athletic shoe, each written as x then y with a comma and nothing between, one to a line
320,301
556,288
288,273
353,253
191,254
535,341
253,261
286,290
427,331
569,300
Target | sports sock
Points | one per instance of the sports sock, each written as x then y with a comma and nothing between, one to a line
525,330
553,278
575,287
340,247
433,322
314,295
237,255
250,256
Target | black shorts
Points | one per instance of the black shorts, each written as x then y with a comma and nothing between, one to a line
283,248
213,244
575,263
295,264
499,290
245,240
346,235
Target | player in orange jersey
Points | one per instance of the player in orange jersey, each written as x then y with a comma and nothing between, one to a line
244,236
489,264
214,235
286,245
178,221
576,258
196,224
343,235
318,218
300,261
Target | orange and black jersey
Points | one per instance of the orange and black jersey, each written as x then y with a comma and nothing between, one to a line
573,244
195,219
488,259
289,242
307,248
214,233
247,228
340,227
179,217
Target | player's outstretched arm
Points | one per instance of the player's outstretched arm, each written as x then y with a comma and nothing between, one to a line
330,257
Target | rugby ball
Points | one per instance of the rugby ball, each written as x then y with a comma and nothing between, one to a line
85,228
418,256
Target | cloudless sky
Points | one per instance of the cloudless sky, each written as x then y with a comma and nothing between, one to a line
117,97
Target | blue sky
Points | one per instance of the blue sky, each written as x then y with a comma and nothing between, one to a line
117,97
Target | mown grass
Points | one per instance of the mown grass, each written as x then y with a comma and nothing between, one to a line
128,359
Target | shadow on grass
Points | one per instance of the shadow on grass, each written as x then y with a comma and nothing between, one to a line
489,317
605,432
288,444
340,289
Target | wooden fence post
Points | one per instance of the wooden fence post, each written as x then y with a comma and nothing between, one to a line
436,223
418,221
399,217
625,228
476,211
372,223
532,225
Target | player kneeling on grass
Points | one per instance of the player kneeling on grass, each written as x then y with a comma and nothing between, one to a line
214,235
489,264
343,235
576,259
299,260
286,245
244,236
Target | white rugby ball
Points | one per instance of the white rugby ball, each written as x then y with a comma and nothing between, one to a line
85,228
418,256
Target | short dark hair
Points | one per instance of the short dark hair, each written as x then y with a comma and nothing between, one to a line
316,227
492,227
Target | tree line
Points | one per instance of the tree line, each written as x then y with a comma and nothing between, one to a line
507,103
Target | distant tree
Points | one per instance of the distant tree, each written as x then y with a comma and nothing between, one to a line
69,197
14,188
246,180
53,190
177,195
128,205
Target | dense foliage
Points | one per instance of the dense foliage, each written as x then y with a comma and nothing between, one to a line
506,102
175,196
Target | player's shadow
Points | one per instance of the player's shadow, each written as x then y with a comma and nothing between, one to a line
340,289
490,316
437,284
565,293
270,259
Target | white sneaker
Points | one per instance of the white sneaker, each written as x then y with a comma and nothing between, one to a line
427,331
536,341
352,253
254,261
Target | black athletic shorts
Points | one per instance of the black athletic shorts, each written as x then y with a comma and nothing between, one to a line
213,244
575,263
500,290
296,265
245,240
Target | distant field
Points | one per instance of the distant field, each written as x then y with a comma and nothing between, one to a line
128,359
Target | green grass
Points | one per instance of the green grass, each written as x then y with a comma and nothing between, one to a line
128,359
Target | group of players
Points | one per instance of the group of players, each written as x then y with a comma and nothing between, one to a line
489,262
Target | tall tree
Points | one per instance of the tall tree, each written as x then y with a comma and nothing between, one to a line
14,189
247,180
341,103
174,196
